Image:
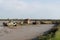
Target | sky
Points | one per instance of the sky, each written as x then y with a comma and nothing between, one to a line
36,9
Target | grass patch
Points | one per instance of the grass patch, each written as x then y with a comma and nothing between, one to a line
57,36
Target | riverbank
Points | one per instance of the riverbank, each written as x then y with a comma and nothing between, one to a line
53,34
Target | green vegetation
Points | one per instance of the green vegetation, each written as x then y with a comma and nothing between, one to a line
57,36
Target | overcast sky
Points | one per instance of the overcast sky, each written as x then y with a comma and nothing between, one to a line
38,9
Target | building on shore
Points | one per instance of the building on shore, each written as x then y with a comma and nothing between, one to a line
27,21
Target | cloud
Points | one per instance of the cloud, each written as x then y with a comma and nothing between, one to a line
33,9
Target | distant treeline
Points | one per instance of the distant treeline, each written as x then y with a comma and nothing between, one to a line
42,21
31,19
